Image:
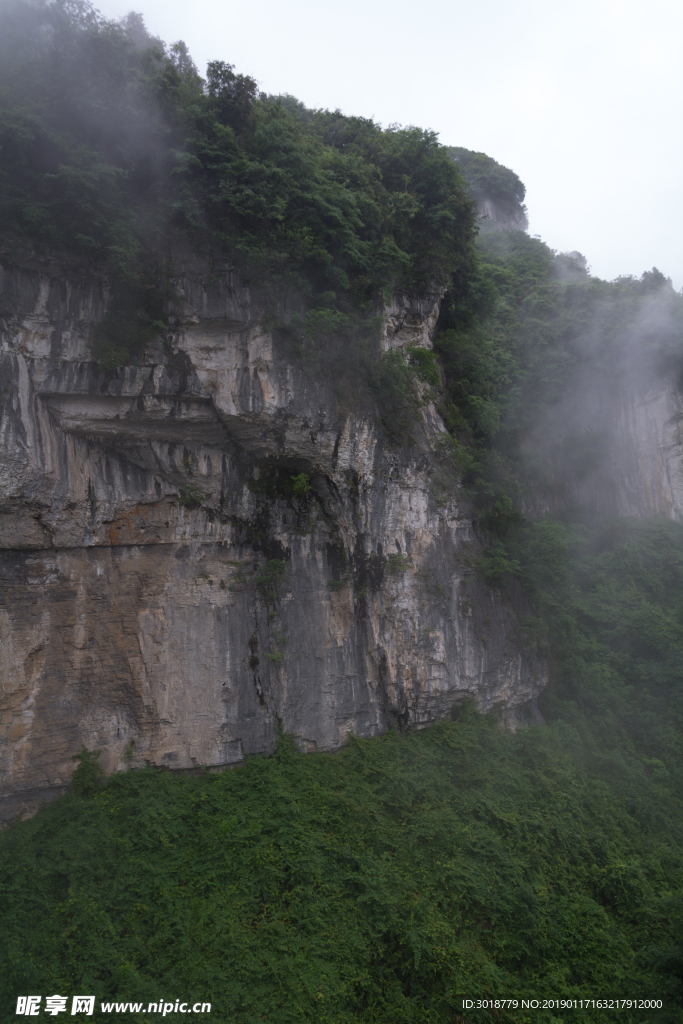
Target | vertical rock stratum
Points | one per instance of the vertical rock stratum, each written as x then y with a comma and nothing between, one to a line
170,597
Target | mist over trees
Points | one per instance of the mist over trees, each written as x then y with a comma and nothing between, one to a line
114,148
385,883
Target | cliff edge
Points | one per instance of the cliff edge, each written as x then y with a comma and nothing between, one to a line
207,546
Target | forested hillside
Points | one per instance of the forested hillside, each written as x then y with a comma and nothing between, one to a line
389,881
114,149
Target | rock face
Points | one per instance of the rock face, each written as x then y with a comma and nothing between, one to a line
614,441
171,595
630,461
494,218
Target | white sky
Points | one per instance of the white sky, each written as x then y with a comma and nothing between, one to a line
582,99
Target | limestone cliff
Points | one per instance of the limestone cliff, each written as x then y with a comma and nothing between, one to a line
613,441
497,191
628,459
162,604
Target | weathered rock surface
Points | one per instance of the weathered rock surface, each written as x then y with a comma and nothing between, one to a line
614,444
631,462
493,218
162,601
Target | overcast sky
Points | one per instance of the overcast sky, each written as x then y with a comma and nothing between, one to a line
581,99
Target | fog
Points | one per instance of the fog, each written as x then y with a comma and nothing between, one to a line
609,443
581,100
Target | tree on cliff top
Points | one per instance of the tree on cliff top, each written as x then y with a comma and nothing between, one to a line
491,181
113,147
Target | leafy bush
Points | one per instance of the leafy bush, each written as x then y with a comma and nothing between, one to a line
496,566
191,496
397,564
301,485
425,362
88,774
267,579
393,383
336,586
278,483
380,884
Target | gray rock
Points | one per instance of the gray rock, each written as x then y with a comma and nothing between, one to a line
158,603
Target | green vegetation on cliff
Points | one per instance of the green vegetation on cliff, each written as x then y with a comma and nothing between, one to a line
116,150
532,348
389,881
491,183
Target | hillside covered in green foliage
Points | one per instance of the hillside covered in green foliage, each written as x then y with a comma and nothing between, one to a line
115,150
389,881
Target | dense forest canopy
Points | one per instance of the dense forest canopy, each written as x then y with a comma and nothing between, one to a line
113,146
388,882
489,180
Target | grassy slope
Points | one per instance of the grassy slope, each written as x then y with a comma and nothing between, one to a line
388,881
